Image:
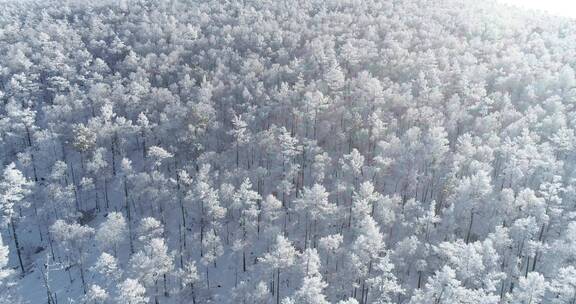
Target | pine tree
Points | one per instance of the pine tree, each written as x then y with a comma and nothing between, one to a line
152,264
563,286
190,276
5,272
213,249
281,257
130,291
311,291
383,285
112,232
315,206
96,295
14,187
245,200
530,289
241,135
107,267
74,239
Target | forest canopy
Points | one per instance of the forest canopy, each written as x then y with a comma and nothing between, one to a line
286,152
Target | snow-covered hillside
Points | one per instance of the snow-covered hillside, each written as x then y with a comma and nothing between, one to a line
293,152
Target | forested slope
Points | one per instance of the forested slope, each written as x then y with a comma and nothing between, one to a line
294,152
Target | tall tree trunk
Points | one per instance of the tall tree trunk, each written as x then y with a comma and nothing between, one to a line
128,215
244,260
470,227
31,154
81,265
278,286
17,244
419,279
113,150
237,154
193,294
166,294
46,279
106,193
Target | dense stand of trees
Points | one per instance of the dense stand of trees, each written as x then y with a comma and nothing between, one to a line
305,152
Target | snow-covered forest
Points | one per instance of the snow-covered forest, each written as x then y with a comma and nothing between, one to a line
286,152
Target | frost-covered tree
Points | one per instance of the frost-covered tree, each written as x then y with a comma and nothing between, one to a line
13,189
248,293
96,295
107,266
112,232
152,264
212,249
384,285
241,135
311,291
443,287
73,238
245,201
563,286
281,257
130,291
530,289
315,205
5,272
190,276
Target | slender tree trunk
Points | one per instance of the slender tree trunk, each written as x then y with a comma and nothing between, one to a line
419,279
17,244
113,150
527,266
306,234
80,264
45,276
143,145
166,294
128,215
106,193
470,227
183,211
237,154
278,286
193,293
31,154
